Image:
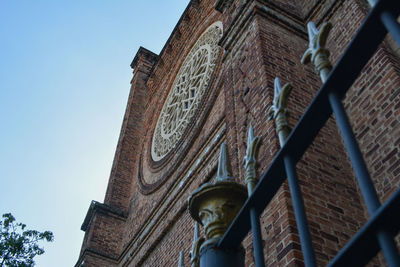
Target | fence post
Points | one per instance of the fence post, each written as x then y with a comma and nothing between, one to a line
319,55
250,162
278,112
214,205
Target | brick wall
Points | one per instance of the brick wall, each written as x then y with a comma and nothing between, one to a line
262,40
272,48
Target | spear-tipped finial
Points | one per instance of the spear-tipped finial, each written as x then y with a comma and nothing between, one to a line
253,144
281,95
317,40
214,205
197,242
181,262
278,111
250,160
224,166
316,52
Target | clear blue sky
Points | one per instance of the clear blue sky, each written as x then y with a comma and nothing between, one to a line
64,84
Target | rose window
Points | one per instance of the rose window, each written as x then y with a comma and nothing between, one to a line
186,92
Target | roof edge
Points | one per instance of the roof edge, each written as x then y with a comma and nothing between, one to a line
143,52
96,206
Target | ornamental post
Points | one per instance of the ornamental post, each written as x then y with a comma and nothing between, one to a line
278,110
214,205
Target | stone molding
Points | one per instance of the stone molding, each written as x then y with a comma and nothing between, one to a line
97,207
221,5
173,159
145,54
175,192
93,252
187,90
251,8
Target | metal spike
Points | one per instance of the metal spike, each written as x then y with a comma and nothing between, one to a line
224,166
250,160
196,232
181,258
316,51
312,32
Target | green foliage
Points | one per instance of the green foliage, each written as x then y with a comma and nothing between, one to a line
18,246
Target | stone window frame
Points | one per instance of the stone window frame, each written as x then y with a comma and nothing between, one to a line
186,93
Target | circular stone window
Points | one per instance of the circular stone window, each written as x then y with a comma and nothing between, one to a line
186,92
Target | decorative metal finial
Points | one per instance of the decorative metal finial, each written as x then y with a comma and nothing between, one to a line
197,242
250,160
224,166
181,264
215,204
278,111
316,52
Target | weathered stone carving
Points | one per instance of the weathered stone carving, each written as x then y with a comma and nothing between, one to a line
186,92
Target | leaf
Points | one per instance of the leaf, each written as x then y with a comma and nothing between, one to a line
18,246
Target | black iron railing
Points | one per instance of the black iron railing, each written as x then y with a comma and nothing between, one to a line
379,231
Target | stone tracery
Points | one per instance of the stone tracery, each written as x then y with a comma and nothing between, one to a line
186,93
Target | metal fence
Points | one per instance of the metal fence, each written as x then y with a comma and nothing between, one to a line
384,222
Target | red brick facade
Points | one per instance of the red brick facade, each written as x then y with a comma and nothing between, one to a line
148,224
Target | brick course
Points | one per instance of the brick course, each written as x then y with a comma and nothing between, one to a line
262,40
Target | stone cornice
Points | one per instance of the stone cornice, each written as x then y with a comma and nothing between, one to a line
252,8
175,31
146,54
325,16
97,207
80,262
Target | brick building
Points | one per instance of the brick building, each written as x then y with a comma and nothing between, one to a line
212,80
